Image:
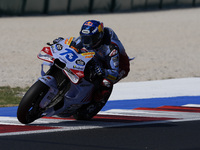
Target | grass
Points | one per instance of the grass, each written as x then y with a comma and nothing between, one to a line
11,96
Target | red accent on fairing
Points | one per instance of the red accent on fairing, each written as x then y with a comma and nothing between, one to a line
47,50
79,73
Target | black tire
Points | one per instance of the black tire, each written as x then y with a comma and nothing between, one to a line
30,101
88,111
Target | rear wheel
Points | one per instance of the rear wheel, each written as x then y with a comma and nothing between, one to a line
28,110
88,111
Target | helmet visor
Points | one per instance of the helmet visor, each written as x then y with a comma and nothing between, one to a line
90,40
86,39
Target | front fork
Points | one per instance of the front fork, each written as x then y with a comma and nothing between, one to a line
58,84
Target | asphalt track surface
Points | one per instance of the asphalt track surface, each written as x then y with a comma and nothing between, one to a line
159,123
161,136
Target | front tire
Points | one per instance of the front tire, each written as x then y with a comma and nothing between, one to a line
28,110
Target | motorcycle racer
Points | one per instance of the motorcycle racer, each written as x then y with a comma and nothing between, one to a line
109,52
112,60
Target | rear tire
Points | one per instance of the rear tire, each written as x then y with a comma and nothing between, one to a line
88,111
28,110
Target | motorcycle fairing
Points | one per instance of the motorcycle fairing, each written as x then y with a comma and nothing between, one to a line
46,54
74,99
74,70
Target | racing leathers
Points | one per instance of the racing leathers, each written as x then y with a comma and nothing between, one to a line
113,59
111,54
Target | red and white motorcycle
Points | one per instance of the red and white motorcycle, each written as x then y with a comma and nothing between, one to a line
65,89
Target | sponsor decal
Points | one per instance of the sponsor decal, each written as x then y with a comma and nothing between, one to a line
68,41
74,48
59,47
88,54
78,73
115,61
86,31
113,53
69,55
111,77
47,50
80,62
95,30
77,67
88,23
53,48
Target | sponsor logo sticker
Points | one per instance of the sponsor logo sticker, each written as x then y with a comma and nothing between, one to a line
80,62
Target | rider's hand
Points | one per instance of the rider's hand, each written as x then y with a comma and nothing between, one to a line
58,40
99,71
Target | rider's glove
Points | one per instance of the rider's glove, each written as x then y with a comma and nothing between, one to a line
99,71
58,40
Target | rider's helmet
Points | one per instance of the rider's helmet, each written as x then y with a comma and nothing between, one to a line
91,33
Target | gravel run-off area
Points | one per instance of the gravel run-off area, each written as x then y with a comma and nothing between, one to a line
166,43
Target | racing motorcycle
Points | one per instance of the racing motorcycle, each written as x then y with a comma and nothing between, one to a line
69,83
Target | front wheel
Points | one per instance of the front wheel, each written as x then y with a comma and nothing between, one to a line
28,110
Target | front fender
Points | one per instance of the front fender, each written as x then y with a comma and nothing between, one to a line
48,80
51,82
